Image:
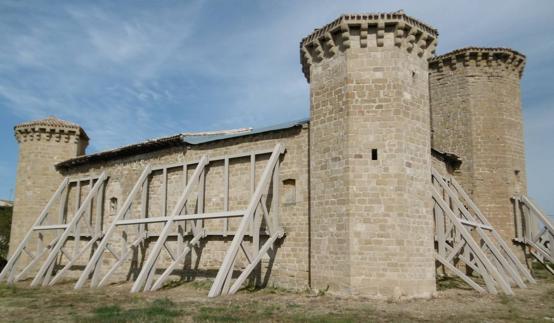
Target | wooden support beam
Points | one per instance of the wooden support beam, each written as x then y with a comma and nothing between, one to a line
474,246
226,194
502,244
98,254
230,256
150,262
12,261
184,217
71,227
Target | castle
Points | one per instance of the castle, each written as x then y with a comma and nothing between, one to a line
342,201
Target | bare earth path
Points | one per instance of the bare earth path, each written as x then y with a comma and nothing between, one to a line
188,302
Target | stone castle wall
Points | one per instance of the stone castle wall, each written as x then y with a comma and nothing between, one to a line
289,266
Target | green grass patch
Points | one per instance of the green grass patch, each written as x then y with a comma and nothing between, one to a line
160,310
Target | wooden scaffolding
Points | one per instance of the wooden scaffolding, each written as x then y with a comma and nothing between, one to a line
464,237
189,227
132,226
535,231
53,234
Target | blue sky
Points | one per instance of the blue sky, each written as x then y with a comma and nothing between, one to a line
131,70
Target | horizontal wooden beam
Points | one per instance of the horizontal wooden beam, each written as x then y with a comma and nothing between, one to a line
184,217
477,225
50,227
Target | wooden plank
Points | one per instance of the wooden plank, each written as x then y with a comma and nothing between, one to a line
149,264
76,256
63,204
10,265
226,194
476,225
539,213
503,245
99,209
254,263
143,205
176,261
184,217
474,246
71,226
231,253
459,273
276,202
164,192
252,186
98,254
50,227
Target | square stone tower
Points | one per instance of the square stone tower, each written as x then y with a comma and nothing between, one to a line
42,144
476,114
371,217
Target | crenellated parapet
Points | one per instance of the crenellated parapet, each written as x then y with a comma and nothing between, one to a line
499,59
367,31
50,129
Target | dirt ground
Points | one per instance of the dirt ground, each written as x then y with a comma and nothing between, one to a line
188,302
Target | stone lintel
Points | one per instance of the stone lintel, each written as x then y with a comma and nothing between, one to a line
409,33
482,57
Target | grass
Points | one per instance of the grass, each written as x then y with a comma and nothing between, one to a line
160,310
187,301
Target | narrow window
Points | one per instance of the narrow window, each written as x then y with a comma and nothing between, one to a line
289,191
373,154
113,206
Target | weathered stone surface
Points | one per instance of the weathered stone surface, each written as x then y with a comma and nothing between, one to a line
371,220
42,144
476,114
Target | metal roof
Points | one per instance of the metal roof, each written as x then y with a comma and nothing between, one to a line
172,141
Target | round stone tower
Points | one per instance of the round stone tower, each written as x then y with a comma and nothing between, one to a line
476,114
42,144
370,149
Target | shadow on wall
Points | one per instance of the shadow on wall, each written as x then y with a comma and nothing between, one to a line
190,271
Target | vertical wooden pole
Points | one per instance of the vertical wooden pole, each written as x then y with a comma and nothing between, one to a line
63,204
201,192
164,192
99,209
226,195
276,201
143,206
185,182
252,186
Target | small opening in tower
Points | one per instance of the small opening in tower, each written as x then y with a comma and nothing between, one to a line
373,154
113,206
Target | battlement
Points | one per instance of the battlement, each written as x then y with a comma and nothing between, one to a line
369,31
50,128
495,58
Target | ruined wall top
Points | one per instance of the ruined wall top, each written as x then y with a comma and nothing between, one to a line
48,129
494,58
369,30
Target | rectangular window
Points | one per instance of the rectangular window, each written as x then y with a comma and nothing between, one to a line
374,154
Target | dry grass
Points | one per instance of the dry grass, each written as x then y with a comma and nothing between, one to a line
188,302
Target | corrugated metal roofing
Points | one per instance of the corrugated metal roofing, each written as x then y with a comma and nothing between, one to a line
172,141
196,140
